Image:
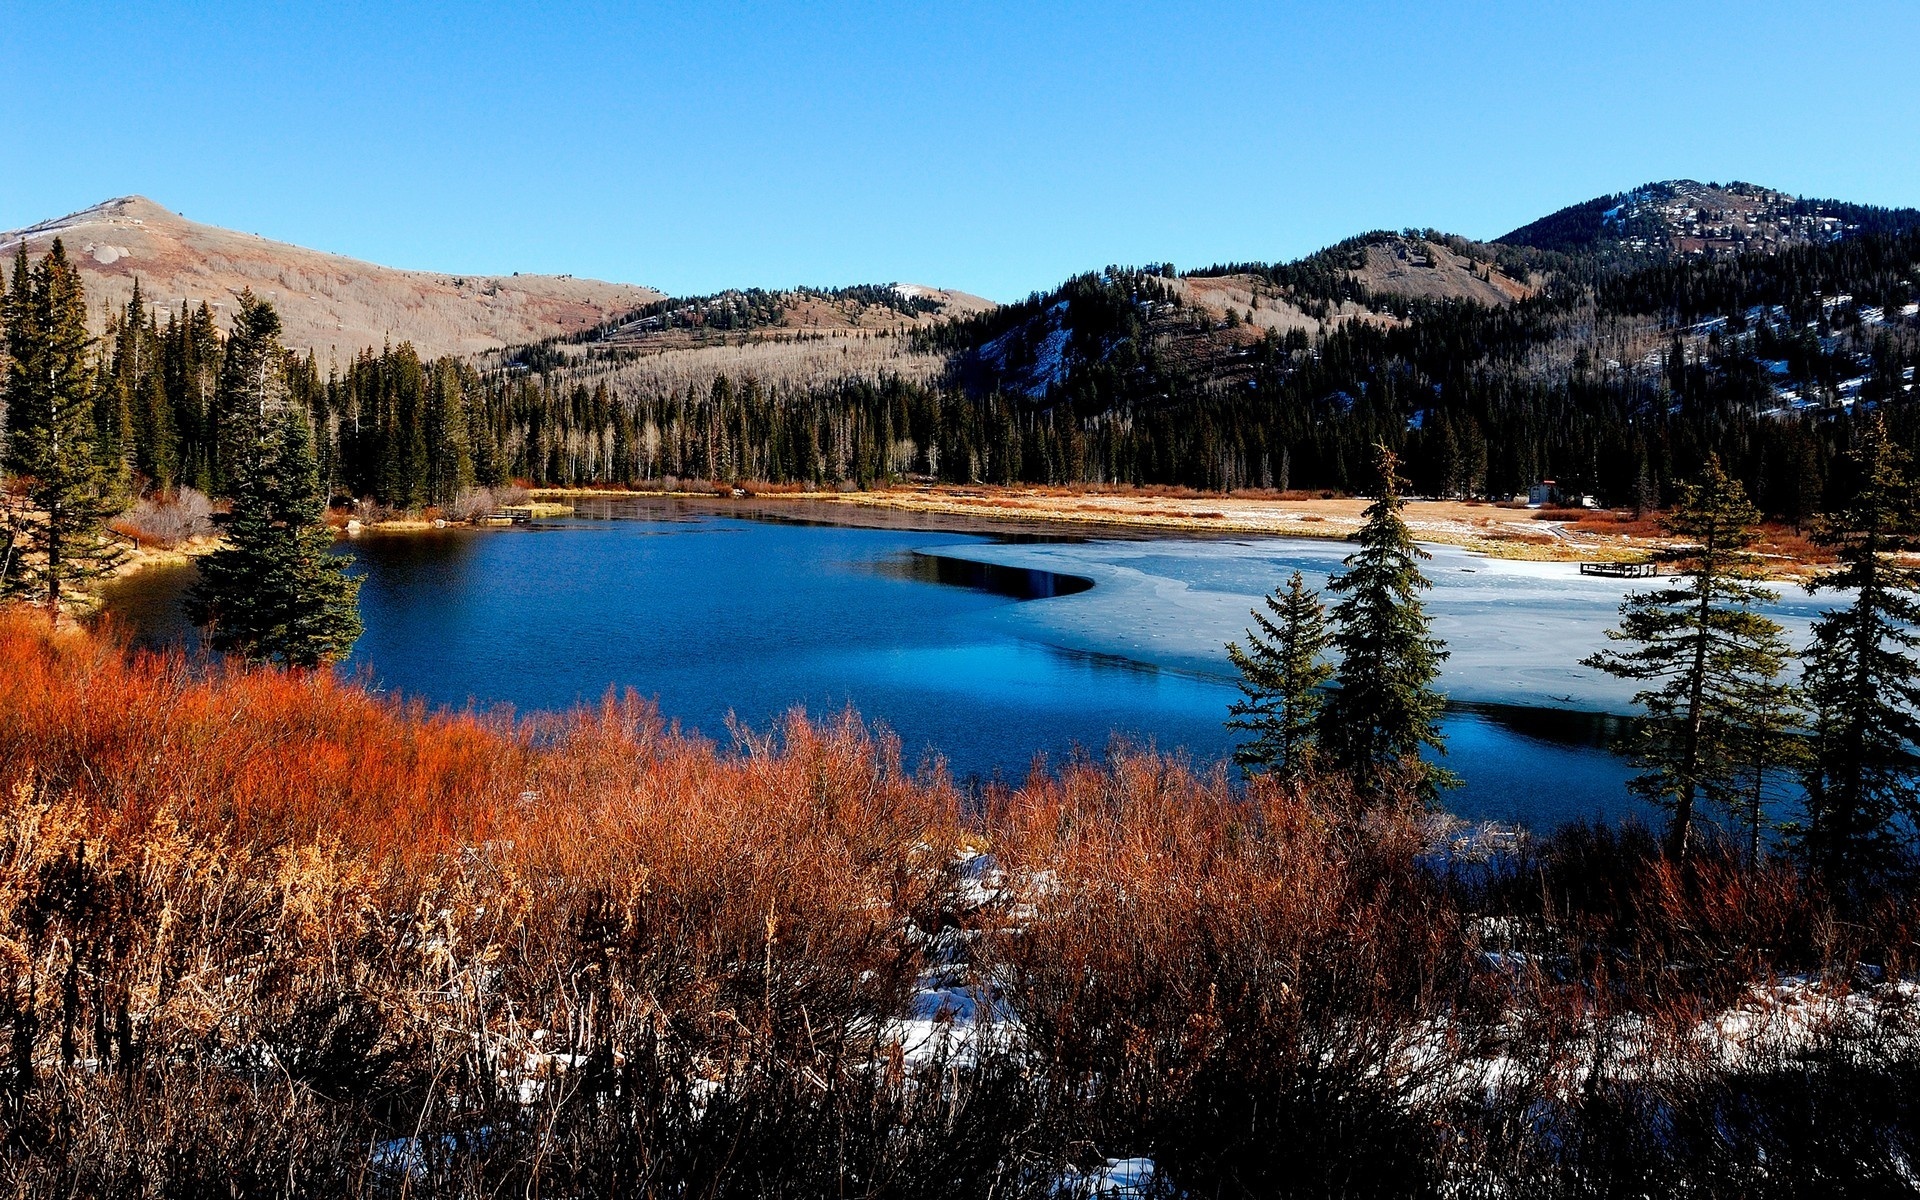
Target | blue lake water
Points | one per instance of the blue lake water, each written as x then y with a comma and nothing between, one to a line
986,649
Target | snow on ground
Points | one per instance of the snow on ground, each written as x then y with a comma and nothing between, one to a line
953,1015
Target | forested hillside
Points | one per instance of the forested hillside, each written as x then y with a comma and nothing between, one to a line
1591,360
1585,349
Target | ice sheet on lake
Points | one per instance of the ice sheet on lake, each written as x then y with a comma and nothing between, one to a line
1517,630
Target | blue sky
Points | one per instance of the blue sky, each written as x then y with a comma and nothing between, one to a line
994,148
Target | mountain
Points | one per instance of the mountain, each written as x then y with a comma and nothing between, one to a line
333,305
1682,218
1156,330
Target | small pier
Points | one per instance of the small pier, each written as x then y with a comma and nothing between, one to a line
1621,570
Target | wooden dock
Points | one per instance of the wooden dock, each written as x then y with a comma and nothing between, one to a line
1621,570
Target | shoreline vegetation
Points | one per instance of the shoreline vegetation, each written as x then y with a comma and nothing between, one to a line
337,940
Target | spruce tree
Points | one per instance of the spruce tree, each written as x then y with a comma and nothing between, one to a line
275,592
1711,661
1862,681
1281,673
1383,708
58,540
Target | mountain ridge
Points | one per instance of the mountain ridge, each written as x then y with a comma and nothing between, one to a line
329,303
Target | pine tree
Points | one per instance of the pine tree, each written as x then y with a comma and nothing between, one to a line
275,592
191,349
1382,708
1712,661
1862,680
58,540
1281,673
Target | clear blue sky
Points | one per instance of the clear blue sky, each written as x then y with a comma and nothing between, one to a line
994,148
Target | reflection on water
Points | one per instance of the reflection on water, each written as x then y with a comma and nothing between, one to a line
1020,583
1557,726
150,606
717,617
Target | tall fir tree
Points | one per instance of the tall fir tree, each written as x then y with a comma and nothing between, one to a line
1710,659
1862,681
1383,707
58,539
1282,669
275,592
190,349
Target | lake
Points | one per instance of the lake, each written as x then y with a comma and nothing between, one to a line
986,647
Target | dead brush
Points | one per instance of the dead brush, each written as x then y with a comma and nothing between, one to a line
1246,988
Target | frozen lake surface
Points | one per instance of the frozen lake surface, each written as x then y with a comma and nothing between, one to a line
1516,630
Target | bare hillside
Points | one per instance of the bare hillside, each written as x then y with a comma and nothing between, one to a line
1424,269
329,303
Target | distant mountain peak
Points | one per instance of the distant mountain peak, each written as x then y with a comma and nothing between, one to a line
1685,218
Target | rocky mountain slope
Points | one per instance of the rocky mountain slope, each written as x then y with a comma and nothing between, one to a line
331,304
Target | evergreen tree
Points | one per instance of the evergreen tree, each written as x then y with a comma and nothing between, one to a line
1383,707
449,461
190,349
58,540
1711,660
1281,672
1862,681
139,390
275,591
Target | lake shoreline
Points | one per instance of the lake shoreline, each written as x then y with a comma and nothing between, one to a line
1484,528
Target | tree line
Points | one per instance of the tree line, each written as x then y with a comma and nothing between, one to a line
1145,388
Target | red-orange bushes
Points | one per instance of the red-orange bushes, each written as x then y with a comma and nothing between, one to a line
252,925
205,871
264,755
